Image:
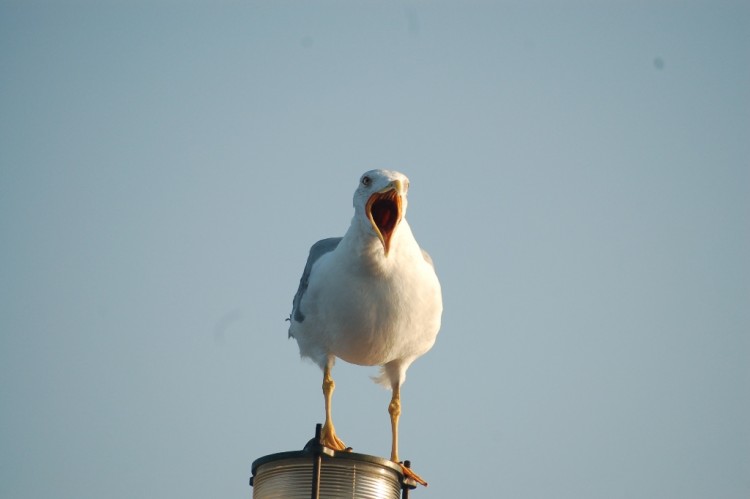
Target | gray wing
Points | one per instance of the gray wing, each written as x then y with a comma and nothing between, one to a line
316,251
427,258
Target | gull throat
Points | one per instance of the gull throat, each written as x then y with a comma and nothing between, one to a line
384,210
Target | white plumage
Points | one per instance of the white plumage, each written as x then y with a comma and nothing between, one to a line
370,298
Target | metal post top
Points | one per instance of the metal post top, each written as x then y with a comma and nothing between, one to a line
314,448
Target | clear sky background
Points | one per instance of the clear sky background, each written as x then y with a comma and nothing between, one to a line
580,173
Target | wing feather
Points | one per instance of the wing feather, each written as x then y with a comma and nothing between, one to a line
427,258
316,251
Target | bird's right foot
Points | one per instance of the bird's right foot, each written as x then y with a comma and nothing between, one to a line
329,439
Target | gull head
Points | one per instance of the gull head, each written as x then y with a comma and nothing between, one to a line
380,203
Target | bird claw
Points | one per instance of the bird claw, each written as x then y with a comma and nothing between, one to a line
328,438
408,473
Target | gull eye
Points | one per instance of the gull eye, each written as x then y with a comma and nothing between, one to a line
366,181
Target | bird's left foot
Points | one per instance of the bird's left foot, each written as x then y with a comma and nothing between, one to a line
408,473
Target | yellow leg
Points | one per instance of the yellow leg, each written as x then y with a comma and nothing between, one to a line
394,409
328,434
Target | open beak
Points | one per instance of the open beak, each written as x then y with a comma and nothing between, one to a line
385,210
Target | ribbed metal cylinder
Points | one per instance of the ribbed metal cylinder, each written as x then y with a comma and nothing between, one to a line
290,475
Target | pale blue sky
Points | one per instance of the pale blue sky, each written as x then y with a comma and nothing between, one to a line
580,172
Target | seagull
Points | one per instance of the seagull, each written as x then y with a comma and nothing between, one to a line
370,298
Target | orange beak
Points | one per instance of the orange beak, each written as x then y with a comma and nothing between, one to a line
385,210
